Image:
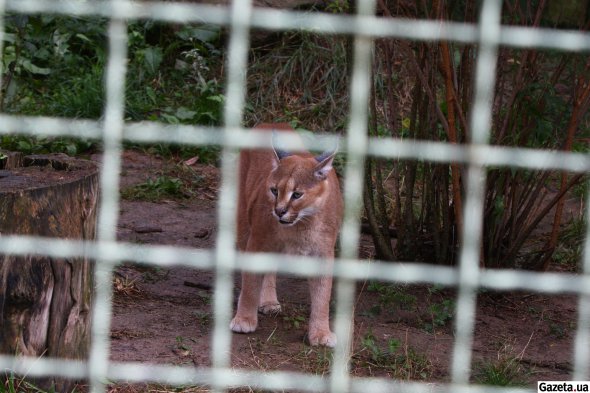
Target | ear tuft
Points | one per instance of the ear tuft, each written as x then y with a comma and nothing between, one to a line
324,155
324,166
279,153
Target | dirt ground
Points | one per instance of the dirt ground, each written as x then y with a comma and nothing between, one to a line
164,315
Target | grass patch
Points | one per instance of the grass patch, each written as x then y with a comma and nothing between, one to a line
153,190
399,361
316,360
205,155
293,316
176,181
55,66
155,388
568,253
440,314
390,296
504,371
43,145
15,384
301,79
507,369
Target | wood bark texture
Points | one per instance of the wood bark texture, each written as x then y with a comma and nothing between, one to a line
45,302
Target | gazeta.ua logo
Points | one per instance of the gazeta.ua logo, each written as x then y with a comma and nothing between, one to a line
563,386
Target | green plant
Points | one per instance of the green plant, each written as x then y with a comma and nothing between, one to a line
154,274
180,343
203,318
154,190
378,355
402,362
542,102
294,321
504,371
54,66
299,80
316,360
155,388
41,145
580,190
338,6
390,295
557,330
9,385
569,251
15,384
205,154
440,314
173,79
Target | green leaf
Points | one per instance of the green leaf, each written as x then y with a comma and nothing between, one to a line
185,114
498,206
170,118
217,98
406,122
393,345
24,146
9,37
60,43
202,33
83,37
207,115
33,69
42,53
9,56
71,149
151,93
152,58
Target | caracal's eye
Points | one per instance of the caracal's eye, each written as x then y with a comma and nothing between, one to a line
296,195
274,191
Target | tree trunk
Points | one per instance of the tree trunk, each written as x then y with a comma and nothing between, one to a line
45,302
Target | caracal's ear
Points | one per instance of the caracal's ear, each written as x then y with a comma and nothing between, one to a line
279,153
324,165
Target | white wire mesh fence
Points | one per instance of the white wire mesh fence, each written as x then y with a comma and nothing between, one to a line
240,17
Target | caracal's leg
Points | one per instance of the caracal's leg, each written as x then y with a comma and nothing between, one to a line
320,289
269,303
246,318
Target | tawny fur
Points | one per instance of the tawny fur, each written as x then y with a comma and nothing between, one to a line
283,223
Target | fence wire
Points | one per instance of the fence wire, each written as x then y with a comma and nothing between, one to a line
240,17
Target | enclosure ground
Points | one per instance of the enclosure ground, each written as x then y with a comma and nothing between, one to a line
164,315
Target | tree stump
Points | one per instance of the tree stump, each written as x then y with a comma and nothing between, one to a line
45,302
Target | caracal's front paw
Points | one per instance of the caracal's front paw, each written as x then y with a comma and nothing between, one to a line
243,324
269,308
322,337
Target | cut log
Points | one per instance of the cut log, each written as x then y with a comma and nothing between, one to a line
10,159
45,303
